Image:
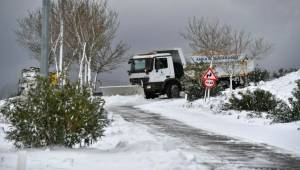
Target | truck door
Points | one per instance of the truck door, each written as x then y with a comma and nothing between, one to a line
162,69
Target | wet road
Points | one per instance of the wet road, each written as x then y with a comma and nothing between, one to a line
229,151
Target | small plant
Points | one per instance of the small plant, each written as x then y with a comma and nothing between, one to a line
263,101
258,100
295,103
258,75
282,72
50,115
283,113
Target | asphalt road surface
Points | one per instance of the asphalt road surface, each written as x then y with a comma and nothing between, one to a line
228,151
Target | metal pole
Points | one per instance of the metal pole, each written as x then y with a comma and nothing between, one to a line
205,94
44,65
208,94
61,50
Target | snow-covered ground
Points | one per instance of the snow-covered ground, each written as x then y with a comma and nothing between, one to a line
281,87
208,116
133,146
126,146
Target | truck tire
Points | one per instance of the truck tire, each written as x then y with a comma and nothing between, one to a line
173,91
149,95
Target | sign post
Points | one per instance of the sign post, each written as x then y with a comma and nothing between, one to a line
45,38
209,80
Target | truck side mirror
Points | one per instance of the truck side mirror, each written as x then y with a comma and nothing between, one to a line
130,61
129,72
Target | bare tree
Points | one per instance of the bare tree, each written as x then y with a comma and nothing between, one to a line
211,36
214,38
108,59
259,48
89,27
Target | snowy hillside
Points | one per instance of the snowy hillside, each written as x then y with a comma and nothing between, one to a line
281,87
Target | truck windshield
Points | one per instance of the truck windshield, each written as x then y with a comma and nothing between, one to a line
140,65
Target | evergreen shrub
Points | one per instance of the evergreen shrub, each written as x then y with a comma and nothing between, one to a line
258,75
50,115
258,100
263,101
295,103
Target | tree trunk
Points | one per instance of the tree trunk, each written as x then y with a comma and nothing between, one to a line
95,80
81,66
61,43
89,72
230,83
85,70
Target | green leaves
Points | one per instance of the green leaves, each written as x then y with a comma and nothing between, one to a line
258,100
49,115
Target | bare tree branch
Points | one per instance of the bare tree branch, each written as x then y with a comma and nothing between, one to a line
90,22
212,37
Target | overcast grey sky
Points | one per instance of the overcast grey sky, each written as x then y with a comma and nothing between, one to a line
149,24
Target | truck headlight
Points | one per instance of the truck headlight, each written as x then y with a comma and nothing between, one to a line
148,87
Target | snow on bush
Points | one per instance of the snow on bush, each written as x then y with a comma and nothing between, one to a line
50,115
281,90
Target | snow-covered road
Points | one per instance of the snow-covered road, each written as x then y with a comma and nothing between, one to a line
226,151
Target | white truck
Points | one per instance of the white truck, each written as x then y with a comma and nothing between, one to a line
158,72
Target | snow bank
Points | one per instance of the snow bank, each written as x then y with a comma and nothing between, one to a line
282,87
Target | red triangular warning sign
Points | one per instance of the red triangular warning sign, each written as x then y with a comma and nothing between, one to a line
209,75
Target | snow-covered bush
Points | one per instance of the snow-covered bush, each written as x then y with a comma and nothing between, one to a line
286,114
50,115
282,72
263,101
258,75
282,113
295,103
258,100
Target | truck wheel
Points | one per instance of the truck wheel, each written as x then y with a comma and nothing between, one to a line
150,95
173,91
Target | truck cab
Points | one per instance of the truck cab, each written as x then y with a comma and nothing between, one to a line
158,72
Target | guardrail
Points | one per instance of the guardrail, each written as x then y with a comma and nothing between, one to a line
125,90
